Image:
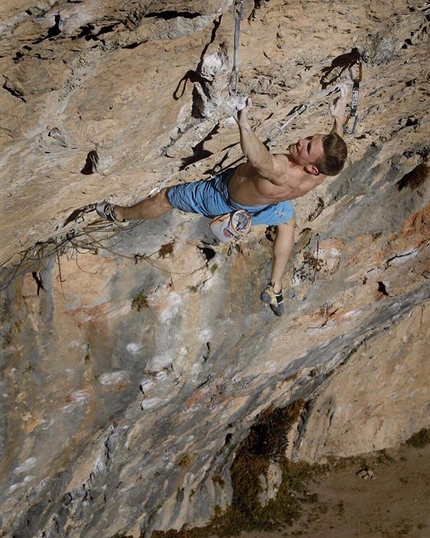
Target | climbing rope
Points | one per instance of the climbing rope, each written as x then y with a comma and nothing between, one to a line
354,98
238,13
81,242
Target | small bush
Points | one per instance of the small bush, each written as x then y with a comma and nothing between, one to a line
419,439
140,302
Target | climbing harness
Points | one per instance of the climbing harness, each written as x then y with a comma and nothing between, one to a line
277,130
354,98
238,13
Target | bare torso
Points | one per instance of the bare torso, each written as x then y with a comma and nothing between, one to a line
248,188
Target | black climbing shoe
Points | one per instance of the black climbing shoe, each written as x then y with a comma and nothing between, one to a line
274,300
105,210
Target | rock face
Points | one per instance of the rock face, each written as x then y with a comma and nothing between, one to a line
135,361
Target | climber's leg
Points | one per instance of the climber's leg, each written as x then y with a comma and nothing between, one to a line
282,247
148,209
205,197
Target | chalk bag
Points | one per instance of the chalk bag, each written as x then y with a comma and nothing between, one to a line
231,226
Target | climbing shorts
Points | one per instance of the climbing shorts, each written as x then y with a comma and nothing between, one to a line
211,199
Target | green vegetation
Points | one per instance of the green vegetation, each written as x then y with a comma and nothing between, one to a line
5,314
419,439
186,461
265,444
5,319
140,301
340,509
415,178
7,340
384,457
193,289
166,250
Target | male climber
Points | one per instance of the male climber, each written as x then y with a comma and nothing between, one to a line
264,186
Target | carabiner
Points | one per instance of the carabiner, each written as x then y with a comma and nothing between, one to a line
238,13
233,83
354,125
277,130
360,71
273,133
239,10
354,98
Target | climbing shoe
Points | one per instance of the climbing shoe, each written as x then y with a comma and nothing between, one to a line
274,300
105,210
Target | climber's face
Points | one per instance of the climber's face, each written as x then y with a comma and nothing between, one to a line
307,150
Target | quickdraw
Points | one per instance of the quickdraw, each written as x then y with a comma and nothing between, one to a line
277,130
354,98
238,13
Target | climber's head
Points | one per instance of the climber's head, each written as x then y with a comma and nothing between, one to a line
334,155
320,154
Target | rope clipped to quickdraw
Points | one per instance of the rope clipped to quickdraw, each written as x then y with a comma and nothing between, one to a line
354,98
238,13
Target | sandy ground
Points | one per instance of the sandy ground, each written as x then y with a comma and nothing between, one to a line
393,504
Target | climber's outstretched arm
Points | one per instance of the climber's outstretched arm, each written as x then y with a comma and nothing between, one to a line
268,166
338,110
